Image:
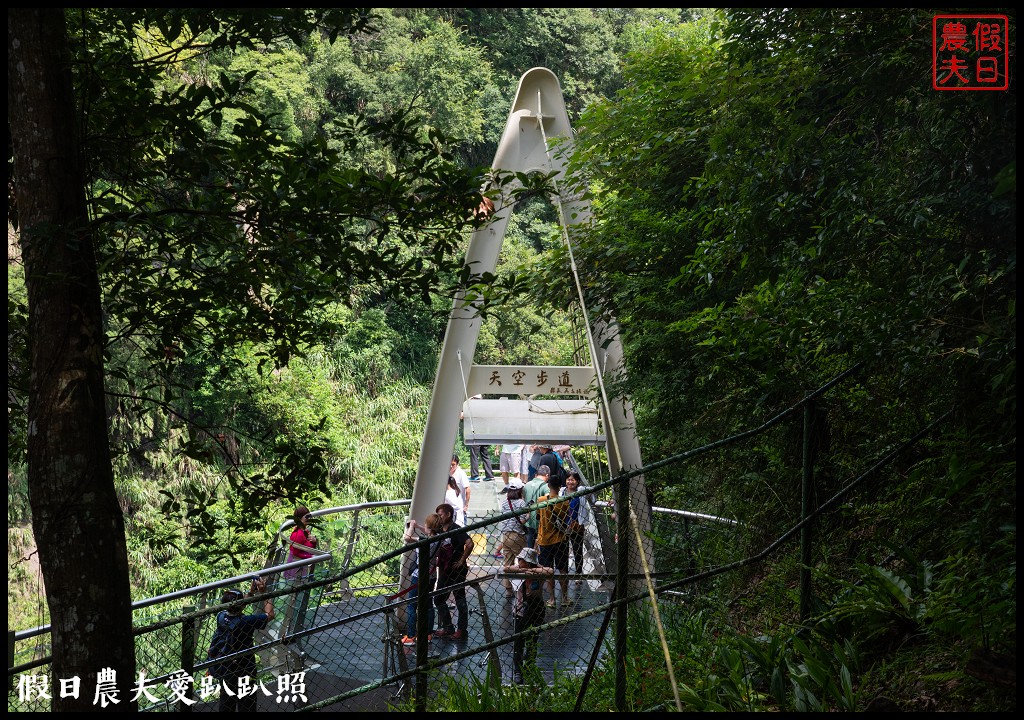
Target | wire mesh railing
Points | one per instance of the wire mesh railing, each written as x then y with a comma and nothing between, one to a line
339,638
345,637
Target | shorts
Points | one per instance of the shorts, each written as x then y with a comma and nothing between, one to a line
511,462
554,556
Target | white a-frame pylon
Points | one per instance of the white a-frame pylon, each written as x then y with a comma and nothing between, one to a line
538,119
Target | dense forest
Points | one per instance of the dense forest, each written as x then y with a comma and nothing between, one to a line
265,229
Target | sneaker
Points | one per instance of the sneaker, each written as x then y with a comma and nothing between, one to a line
498,554
550,603
409,640
444,632
568,601
488,479
503,490
459,635
474,479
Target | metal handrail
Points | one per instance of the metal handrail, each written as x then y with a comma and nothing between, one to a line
197,590
346,508
319,556
679,513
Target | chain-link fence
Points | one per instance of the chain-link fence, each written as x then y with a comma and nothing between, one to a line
345,636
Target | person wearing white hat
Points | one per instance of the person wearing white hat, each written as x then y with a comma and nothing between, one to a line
529,612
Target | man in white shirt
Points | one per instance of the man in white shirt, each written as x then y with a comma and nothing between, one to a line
463,481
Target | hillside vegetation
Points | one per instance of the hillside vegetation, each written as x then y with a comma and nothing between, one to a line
779,196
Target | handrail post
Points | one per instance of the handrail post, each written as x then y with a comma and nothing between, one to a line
188,653
806,484
423,628
621,590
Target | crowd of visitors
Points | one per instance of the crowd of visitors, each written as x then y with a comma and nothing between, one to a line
535,545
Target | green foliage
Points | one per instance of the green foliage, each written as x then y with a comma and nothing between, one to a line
26,606
882,599
473,694
748,244
754,237
281,210
577,44
17,495
230,233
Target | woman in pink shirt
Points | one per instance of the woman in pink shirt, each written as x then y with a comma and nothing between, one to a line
296,604
301,537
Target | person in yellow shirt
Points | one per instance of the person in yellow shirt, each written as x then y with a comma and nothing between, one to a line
552,542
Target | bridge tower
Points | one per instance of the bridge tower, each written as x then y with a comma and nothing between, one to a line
537,139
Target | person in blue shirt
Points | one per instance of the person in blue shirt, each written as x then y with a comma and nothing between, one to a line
240,629
432,525
579,517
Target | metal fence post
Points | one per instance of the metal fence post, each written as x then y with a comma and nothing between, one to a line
10,659
423,628
806,485
621,590
188,653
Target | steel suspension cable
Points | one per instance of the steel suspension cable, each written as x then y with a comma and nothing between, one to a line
606,409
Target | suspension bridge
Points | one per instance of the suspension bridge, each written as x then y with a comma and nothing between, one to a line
335,642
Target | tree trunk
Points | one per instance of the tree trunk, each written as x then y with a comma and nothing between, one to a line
76,519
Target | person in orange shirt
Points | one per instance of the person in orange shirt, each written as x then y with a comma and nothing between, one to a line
552,542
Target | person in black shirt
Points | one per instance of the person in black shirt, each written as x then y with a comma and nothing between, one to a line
529,612
454,573
552,460
238,629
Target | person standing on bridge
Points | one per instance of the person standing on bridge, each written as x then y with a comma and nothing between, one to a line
510,464
234,633
462,490
453,575
531,491
479,455
513,529
432,525
300,539
529,613
553,547
579,518
299,544
533,453
553,460
454,497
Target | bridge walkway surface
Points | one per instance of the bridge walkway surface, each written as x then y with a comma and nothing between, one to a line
564,649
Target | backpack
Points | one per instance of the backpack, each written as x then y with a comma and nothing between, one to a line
224,642
560,519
